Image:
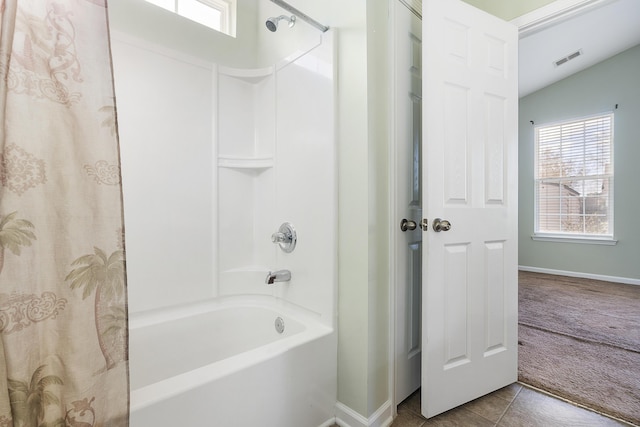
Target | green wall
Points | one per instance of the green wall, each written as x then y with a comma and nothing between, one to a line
595,90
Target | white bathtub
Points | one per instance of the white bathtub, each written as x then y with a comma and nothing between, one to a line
222,363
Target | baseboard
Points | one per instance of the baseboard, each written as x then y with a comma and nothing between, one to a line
347,417
615,279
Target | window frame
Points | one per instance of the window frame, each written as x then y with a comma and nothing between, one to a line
572,237
226,8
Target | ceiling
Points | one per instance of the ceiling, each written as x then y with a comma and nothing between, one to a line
600,31
507,9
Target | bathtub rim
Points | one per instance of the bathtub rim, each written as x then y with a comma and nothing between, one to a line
161,315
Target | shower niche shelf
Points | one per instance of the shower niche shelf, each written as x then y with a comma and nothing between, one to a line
246,117
246,178
249,75
254,163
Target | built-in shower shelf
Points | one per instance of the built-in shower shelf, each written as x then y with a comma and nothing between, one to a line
254,163
251,75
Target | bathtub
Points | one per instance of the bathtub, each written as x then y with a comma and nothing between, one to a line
223,363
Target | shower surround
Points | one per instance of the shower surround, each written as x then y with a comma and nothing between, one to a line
215,158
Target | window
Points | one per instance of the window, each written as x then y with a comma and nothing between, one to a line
217,14
574,179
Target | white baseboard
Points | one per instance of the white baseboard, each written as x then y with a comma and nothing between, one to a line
347,417
615,279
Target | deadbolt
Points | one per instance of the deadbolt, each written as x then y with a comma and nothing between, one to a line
441,225
407,224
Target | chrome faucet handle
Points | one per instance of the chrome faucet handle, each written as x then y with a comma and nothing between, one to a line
280,237
286,237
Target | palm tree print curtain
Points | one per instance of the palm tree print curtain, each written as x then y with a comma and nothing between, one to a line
63,318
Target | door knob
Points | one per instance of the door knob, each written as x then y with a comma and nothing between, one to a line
441,225
407,224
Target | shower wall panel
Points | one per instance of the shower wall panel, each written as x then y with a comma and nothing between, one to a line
305,176
165,110
277,164
214,159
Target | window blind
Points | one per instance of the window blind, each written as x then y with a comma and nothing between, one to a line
574,177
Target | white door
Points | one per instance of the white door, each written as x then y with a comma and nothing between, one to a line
407,124
469,298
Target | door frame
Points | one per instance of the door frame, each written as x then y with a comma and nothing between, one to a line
533,21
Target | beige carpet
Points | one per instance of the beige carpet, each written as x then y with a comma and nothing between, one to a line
580,339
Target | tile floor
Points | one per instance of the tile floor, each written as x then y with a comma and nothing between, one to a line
513,406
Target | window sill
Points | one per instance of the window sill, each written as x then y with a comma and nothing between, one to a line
578,239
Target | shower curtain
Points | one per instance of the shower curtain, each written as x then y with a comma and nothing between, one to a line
63,313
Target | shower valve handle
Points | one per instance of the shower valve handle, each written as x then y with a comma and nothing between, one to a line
280,237
285,237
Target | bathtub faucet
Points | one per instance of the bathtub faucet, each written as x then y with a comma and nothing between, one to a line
277,276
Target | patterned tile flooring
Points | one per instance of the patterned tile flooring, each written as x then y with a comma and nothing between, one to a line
513,406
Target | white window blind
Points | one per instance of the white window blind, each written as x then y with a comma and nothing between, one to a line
574,178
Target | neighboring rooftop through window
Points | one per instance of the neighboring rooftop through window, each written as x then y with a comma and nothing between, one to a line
217,14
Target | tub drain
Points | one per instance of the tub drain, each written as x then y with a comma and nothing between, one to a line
279,324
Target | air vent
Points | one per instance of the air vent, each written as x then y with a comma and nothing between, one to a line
567,58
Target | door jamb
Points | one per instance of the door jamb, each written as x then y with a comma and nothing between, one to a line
392,215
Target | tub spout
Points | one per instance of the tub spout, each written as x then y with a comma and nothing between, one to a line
277,276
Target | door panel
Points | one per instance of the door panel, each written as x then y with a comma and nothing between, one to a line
470,179
407,90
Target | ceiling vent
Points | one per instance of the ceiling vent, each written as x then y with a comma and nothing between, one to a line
567,58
